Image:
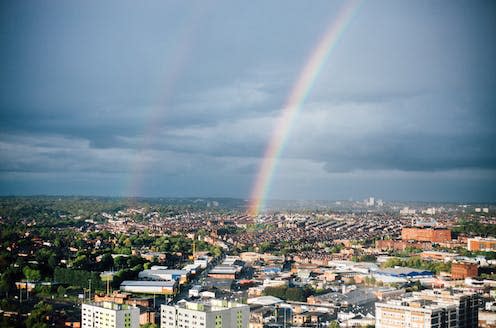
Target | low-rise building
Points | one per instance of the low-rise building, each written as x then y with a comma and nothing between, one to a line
481,244
178,275
224,272
487,319
438,256
403,272
122,298
462,270
149,287
434,235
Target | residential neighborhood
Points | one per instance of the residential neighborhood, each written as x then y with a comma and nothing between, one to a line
351,268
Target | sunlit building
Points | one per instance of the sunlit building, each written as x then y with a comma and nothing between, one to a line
430,308
109,315
206,314
481,244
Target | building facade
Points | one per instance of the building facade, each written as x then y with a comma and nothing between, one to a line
149,287
109,315
466,302
481,244
434,235
414,314
462,270
211,314
430,308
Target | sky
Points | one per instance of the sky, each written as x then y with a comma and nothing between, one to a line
180,98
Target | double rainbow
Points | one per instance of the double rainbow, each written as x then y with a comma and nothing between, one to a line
294,102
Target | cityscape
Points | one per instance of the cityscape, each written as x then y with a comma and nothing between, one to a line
112,262
247,164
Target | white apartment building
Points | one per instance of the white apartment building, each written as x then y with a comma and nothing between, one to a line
206,314
109,315
430,308
415,313
465,301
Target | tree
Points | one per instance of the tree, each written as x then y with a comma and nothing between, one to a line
107,262
120,262
8,279
334,324
279,292
31,274
295,294
38,317
61,291
148,325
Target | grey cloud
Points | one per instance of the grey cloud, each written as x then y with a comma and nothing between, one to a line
185,96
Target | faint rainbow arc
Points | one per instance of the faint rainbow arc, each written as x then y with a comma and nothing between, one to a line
294,103
179,55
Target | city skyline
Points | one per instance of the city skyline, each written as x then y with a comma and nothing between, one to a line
182,99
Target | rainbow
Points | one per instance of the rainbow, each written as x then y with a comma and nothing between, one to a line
174,63
294,103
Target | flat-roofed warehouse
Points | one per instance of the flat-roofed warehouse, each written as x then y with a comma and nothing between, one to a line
149,287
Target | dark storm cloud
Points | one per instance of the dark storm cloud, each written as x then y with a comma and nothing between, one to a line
190,91
416,153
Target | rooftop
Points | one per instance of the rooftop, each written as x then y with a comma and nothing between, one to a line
207,305
154,283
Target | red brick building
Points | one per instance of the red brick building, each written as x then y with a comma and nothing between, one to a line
434,235
401,245
462,270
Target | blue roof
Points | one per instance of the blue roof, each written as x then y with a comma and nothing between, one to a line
402,272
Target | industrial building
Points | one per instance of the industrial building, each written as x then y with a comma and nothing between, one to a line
177,275
149,287
407,273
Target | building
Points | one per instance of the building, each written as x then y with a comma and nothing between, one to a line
413,313
403,272
481,244
438,256
407,211
466,302
159,274
207,314
152,256
401,245
487,319
224,272
462,270
109,315
195,291
202,261
434,235
122,298
149,287
430,308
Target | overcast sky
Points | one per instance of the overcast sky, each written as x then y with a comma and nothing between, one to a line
178,98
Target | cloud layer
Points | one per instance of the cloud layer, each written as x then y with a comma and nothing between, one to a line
177,99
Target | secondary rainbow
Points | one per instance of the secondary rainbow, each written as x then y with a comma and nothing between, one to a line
294,103
174,63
